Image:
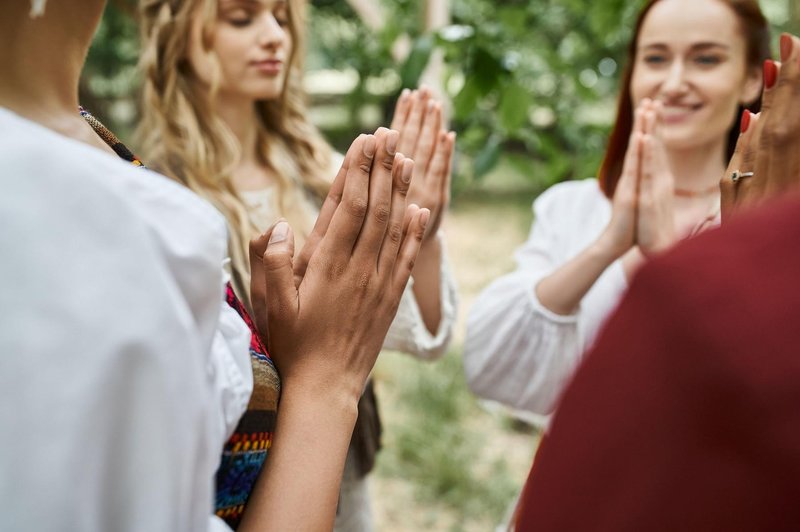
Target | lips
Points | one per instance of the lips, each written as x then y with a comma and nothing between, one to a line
673,113
268,66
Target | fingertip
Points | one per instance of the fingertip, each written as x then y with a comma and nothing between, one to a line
424,217
369,146
280,233
408,170
392,138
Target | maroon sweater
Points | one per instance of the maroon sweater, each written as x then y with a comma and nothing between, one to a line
686,414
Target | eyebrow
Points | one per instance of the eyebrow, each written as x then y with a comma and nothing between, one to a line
701,46
249,3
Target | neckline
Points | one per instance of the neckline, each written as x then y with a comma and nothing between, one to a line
686,193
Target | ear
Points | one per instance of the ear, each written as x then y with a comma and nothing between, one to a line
753,85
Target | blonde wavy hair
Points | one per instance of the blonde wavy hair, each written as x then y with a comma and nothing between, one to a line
182,136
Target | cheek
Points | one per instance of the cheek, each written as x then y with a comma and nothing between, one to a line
643,84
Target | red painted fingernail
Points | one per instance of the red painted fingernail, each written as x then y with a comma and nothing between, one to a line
786,47
745,121
770,73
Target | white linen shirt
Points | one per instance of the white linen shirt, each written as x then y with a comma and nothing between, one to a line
518,352
122,369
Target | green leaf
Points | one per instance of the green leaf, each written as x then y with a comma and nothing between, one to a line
514,103
488,157
417,60
466,100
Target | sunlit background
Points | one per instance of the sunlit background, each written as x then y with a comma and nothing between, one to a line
530,88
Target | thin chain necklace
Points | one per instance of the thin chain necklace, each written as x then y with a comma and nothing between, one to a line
686,193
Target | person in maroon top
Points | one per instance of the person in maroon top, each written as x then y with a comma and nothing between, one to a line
686,413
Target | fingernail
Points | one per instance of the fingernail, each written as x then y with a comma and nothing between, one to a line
369,146
786,47
424,216
408,170
770,73
279,233
404,94
431,105
745,121
391,142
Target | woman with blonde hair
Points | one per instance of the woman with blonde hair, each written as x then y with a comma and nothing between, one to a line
224,113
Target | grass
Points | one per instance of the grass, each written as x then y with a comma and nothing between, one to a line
448,463
440,447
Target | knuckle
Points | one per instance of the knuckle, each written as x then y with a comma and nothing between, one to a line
332,270
356,207
381,213
776,133
363,280
387,163
395,233
364,166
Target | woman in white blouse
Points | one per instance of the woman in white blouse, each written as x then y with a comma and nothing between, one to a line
693,67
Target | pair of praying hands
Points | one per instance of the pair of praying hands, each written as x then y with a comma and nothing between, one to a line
418,118
324,313
642,206
766,161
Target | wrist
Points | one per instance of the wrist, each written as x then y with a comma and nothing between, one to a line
605,251
338,400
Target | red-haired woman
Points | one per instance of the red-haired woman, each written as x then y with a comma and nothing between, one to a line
694,66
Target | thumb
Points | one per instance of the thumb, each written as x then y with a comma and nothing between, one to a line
279,274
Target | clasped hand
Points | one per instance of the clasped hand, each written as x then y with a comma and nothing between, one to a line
418,119
324,314
642,206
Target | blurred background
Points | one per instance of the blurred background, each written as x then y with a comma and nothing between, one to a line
530,87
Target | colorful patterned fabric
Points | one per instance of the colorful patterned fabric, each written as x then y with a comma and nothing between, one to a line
245,452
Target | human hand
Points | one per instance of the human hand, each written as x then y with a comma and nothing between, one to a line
767,155
619,235
418,118
324,328
655,221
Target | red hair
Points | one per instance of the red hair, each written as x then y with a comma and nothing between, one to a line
755,29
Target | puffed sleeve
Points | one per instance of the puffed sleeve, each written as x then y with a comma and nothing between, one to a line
408,332
517,351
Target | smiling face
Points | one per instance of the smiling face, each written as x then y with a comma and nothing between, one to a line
250,49
691,55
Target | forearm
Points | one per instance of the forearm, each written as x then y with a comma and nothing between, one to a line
298,488
562,291
427,283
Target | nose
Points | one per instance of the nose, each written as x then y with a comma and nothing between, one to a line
675,83
271,34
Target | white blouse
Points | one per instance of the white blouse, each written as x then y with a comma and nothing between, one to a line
407,332
517,351
122,369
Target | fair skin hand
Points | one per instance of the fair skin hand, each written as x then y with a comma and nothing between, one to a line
418,118
769,145
324,322
252,45
640,214
699,77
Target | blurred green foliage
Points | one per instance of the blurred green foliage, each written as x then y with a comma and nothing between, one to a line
532,84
